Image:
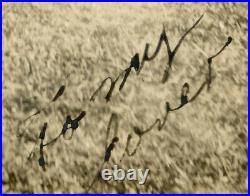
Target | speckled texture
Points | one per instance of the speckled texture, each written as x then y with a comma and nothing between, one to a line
201,149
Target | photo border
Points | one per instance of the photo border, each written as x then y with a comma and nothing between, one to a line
2,148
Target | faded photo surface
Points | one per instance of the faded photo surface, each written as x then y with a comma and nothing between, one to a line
156,91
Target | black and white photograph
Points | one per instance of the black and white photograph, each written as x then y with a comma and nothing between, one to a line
125,97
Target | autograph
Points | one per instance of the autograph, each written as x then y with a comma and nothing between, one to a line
110,143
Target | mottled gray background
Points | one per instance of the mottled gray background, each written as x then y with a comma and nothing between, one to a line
202,148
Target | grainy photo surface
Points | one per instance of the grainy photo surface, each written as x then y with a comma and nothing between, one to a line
152,88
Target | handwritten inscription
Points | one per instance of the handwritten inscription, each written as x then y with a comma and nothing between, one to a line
72,124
